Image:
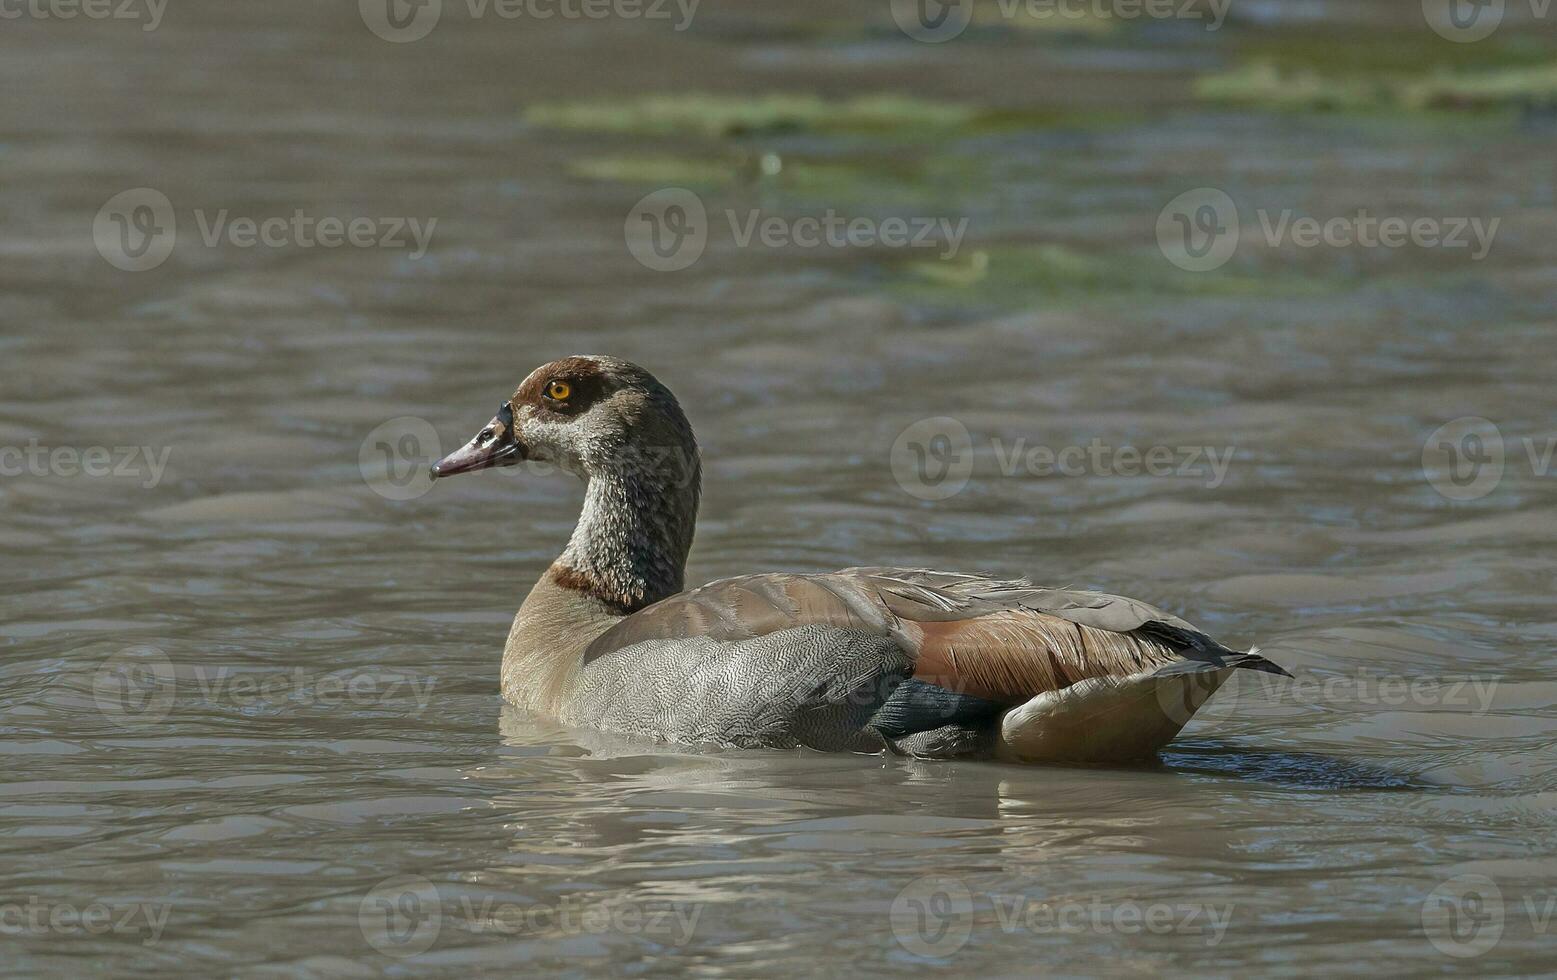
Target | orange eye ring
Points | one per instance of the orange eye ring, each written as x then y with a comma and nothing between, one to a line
558,391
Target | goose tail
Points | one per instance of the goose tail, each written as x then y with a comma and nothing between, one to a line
1118,719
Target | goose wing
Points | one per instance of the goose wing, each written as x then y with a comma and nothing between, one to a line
995,641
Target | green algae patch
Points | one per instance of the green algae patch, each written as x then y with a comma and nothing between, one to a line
1487,89
1267,84
731,116
661,170
1384,71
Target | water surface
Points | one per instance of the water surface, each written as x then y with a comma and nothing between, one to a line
310,749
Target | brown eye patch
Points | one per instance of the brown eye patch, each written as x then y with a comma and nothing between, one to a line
566,387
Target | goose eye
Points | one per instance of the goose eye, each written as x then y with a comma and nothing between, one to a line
559,391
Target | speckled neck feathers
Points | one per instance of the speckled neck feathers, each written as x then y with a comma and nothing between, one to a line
630,546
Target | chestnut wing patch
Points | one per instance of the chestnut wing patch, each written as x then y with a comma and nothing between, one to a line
1012,656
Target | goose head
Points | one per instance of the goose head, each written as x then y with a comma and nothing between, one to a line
614,425
591,416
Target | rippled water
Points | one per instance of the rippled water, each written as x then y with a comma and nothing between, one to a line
251,722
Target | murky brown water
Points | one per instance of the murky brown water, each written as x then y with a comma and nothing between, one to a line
246,695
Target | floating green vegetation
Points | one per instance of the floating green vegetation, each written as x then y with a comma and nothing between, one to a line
1267,84
1019,276
1488,89
732,115
1385,71
664,170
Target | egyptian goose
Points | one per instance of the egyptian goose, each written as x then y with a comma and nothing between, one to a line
933,664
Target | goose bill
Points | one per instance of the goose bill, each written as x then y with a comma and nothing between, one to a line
494,445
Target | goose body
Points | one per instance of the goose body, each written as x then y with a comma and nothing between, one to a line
913,661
